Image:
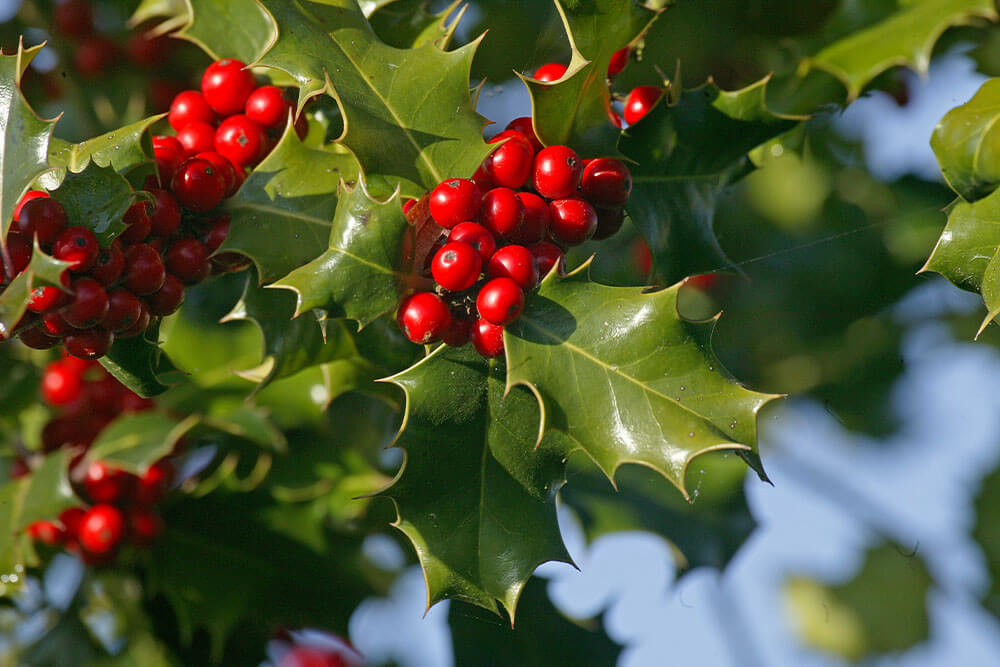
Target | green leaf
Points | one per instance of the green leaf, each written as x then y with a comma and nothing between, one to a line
407,24
136,441
685,155
42,270
906,37
24,138
125,150
408,112
42,494
281,216
475,495
883,609
140,364
249,422
967,144
706,532
96,198
618,371
357,276
575,109
240,29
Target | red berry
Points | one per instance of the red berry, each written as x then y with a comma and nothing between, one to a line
90,343
102,395
456,266
164,214
42,217
475,235
124,310
487,338
525,127
73,18
408,205
78,246
226,86
188,260
640,101
169,154
154,483
144,270
550,72
619,59
557,172
189,107
46,298
517,263
101,529
536,219
453,201
197,185
149,50
503,213
109,265
55,325
546,256
46,532
267,105
457,334
573,221
606,182
197,137
231,182
482,179
105,484
510,165
423,317
217,233
140,325
500,301
139,224
168,298
61,385
129,401
28,196
19,250
241,141
144,525
95,55
37,338
609,221
89,304
70,519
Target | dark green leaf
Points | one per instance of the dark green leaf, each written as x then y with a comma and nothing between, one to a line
281,216
96,198
576,109
883,609
619,372
24,138
136,441
357,276
475,495
407,24
125,150
140,364
240,29
986,532
685,155
408,112
967,144
250,423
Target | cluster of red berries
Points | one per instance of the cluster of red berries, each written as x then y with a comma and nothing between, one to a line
511,223
123,504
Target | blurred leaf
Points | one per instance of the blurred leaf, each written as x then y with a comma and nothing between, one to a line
250,423
882,610
281,216
576,110
967,144
136,441
685,155
24,138
986,533
407,112
661,400
483,522
543,637
357,276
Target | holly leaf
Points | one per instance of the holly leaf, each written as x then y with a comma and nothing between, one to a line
281,216
482,523
134,442
96,198
24,138
967,144
662,400
140,364
576,109
124,150
41,494
292,344
240,29
407,24
882,609
357,276
685,155
706,532
407,113
42,270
